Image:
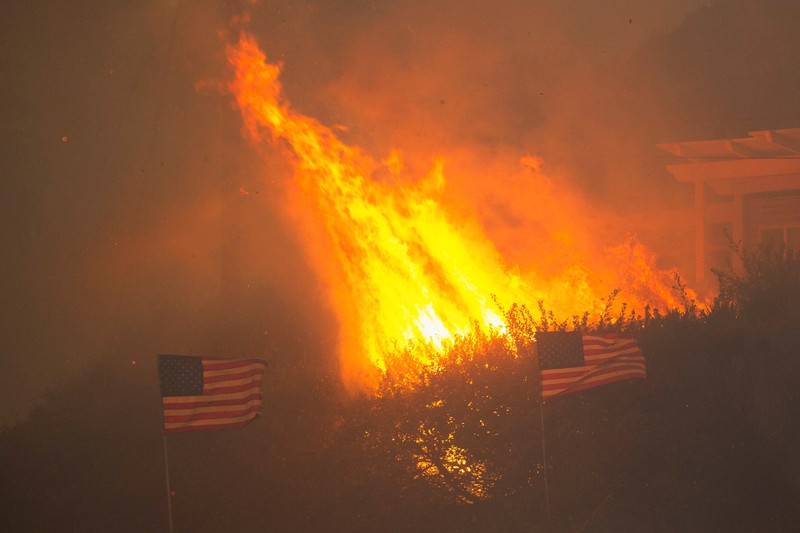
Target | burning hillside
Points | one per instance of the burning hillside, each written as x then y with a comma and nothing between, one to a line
404,262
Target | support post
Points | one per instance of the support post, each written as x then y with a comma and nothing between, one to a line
535,352
169,492
700,230
544,451
164,440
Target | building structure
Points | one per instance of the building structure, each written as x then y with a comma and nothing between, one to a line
746,193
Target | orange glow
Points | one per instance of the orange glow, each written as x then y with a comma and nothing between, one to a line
400,264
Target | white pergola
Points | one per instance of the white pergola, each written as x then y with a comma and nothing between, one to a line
766,161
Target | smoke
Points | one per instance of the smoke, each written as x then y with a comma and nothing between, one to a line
138,220
590,89
537,77
484,87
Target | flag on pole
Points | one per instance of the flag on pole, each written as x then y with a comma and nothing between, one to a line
207,393
570,362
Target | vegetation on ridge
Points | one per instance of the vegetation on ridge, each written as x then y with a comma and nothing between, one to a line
709,441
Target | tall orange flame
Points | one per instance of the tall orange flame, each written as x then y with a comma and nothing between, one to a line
404,267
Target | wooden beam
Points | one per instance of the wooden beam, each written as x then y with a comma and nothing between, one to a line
683,150
784,141
735,168
740,149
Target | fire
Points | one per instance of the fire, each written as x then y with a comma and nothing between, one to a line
402,266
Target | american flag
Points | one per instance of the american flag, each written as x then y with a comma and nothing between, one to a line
570,362
207,393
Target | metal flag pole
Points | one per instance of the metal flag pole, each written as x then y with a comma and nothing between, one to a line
164,440
544,452
541,418
169,492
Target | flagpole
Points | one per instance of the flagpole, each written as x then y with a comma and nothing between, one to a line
166,468
164,440
544,446
544,454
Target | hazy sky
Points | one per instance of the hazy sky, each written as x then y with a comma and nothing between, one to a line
123,227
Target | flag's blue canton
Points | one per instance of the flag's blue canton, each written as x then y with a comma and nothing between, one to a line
180,375
560,349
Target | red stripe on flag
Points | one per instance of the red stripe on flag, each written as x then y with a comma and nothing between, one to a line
229,390
224,364
211,415
228,377
210,427
211,401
